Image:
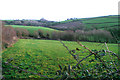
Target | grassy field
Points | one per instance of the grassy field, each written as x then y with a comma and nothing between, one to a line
31,29
101,22
44,56
102,25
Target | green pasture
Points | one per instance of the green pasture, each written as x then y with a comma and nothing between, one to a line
44,56
103,25
31,29
101,20
98,22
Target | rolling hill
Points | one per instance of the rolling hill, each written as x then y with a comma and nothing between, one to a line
102,22
31,29
109,23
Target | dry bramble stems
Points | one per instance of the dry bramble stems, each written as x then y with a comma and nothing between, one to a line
92,53
75,57
110,56
68,50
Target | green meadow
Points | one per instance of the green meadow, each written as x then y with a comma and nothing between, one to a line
101,22
101,19
44,56
31,29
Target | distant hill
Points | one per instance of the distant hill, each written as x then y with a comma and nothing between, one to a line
69,25
103,22
109,23
42,22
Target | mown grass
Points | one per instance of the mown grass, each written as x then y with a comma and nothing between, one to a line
44,56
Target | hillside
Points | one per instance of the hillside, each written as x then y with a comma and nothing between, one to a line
69,26
103,22
109,23
31,29
97,22
91,23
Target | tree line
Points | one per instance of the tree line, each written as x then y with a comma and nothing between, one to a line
10,35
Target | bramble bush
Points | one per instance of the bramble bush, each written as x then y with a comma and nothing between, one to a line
104,65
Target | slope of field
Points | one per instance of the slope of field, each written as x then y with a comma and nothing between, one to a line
102,22
69,25
31,29
95,22
44,56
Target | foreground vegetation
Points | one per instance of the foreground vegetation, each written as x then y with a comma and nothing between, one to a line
45,56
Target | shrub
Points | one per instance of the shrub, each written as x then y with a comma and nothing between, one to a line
55,35
8,36
93,35
22,33
36,34
67,35
47,36
40,32
80,35
18,32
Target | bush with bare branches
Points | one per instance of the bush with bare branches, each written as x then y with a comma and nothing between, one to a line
8,36
22,33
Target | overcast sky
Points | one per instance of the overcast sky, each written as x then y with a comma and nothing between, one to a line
56,10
